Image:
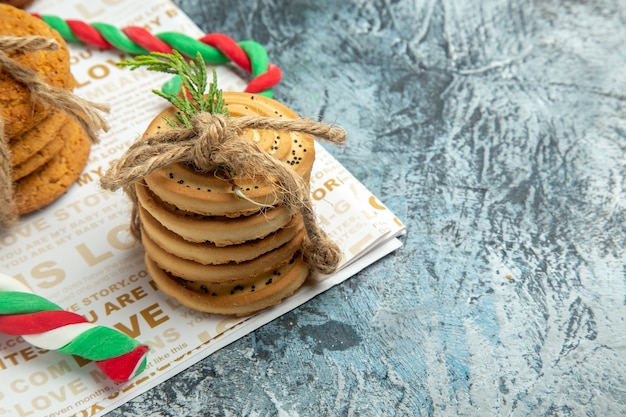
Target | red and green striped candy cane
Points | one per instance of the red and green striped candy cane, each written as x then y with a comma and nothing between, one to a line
215,48
44,324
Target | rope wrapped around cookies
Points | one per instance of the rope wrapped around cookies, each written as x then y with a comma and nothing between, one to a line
215,140
84,111
8,210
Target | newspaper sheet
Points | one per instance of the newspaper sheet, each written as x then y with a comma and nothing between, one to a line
78,253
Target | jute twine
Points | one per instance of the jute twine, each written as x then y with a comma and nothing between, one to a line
84,111
215,141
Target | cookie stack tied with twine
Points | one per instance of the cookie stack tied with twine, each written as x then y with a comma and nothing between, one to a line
220,192
46,131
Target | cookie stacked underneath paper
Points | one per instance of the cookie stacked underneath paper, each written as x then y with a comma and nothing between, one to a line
220,243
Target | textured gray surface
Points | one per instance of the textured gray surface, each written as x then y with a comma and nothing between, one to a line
497,131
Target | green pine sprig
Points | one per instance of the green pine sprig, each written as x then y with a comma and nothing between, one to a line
194,98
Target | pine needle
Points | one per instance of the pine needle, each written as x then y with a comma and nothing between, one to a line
193,98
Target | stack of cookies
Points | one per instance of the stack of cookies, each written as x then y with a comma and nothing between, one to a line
214,250
48,147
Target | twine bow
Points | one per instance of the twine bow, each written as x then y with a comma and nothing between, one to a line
84,111
215,140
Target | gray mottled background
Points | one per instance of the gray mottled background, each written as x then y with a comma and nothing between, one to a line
496,130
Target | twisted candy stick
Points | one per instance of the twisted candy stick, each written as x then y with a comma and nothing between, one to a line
215,48
46,325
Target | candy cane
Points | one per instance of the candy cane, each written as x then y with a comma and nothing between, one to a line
46,325
215,48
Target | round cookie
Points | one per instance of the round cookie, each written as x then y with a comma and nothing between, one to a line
53,179
240,298
43,155
19,112
209,193
22,4
208,253
293,148
231,271
220,231
32,141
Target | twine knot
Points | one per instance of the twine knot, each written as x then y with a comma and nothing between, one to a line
85,112
214,141
211,131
